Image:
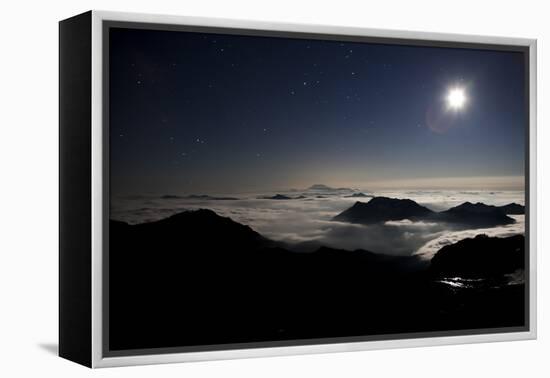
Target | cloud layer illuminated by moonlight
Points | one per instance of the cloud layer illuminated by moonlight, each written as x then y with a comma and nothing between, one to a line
306,221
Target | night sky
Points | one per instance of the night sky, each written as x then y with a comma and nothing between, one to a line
208,113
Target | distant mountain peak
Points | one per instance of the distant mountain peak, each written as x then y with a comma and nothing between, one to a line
476,215
360,195
322,187
382,209
469,205
277,197
513,208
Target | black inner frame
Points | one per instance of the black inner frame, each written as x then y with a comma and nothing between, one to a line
107,25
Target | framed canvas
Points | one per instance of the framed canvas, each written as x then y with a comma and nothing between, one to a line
237,189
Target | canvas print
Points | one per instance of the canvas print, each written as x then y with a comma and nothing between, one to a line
271,191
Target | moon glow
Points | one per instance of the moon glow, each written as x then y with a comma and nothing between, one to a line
456,98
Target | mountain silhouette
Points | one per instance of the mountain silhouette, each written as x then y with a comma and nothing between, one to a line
199,279
513,209
359,195
480,257
478,215
321,187
382,209
277,197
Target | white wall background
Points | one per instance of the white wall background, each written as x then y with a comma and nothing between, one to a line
28,186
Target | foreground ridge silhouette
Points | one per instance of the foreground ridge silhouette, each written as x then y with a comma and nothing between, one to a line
199,279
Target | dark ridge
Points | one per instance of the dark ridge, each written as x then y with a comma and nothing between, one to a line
513,209
197,278
322,187
277,197
360,195
202,223
475,215
482,256
382,209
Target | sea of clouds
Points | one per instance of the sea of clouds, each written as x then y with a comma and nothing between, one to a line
306,222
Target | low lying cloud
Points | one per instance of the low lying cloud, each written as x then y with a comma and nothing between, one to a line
409,223
306,223
428,250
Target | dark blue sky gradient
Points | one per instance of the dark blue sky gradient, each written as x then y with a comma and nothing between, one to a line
207,113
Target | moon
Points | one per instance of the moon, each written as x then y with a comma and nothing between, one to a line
456,98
